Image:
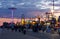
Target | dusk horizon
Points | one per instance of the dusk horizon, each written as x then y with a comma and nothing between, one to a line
30,8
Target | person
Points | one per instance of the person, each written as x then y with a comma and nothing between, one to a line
53,21
5,24
24,31
35,27
12,26
59,21
59,25
19,28
15,27
43,27
40,26
53,24
59,31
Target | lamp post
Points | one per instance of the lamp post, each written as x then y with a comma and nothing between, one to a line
12,12
52,9
23,19
53,4
47,16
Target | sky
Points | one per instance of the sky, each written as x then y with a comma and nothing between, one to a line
29,8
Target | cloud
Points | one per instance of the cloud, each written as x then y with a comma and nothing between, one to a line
20,4
0,3
46,4
41,4
55,4
31,5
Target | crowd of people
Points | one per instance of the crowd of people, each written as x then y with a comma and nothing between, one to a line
49,26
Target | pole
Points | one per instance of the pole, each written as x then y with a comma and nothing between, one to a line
53,4
53,9
12,15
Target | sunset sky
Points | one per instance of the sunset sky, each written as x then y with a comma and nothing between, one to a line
30,8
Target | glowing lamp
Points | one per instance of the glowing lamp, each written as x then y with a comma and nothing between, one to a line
36,19
23,21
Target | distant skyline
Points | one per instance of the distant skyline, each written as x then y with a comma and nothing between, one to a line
30,8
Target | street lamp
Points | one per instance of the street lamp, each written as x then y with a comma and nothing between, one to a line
47,15
22,19
12,12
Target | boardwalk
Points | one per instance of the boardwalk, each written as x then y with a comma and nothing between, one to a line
7,34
